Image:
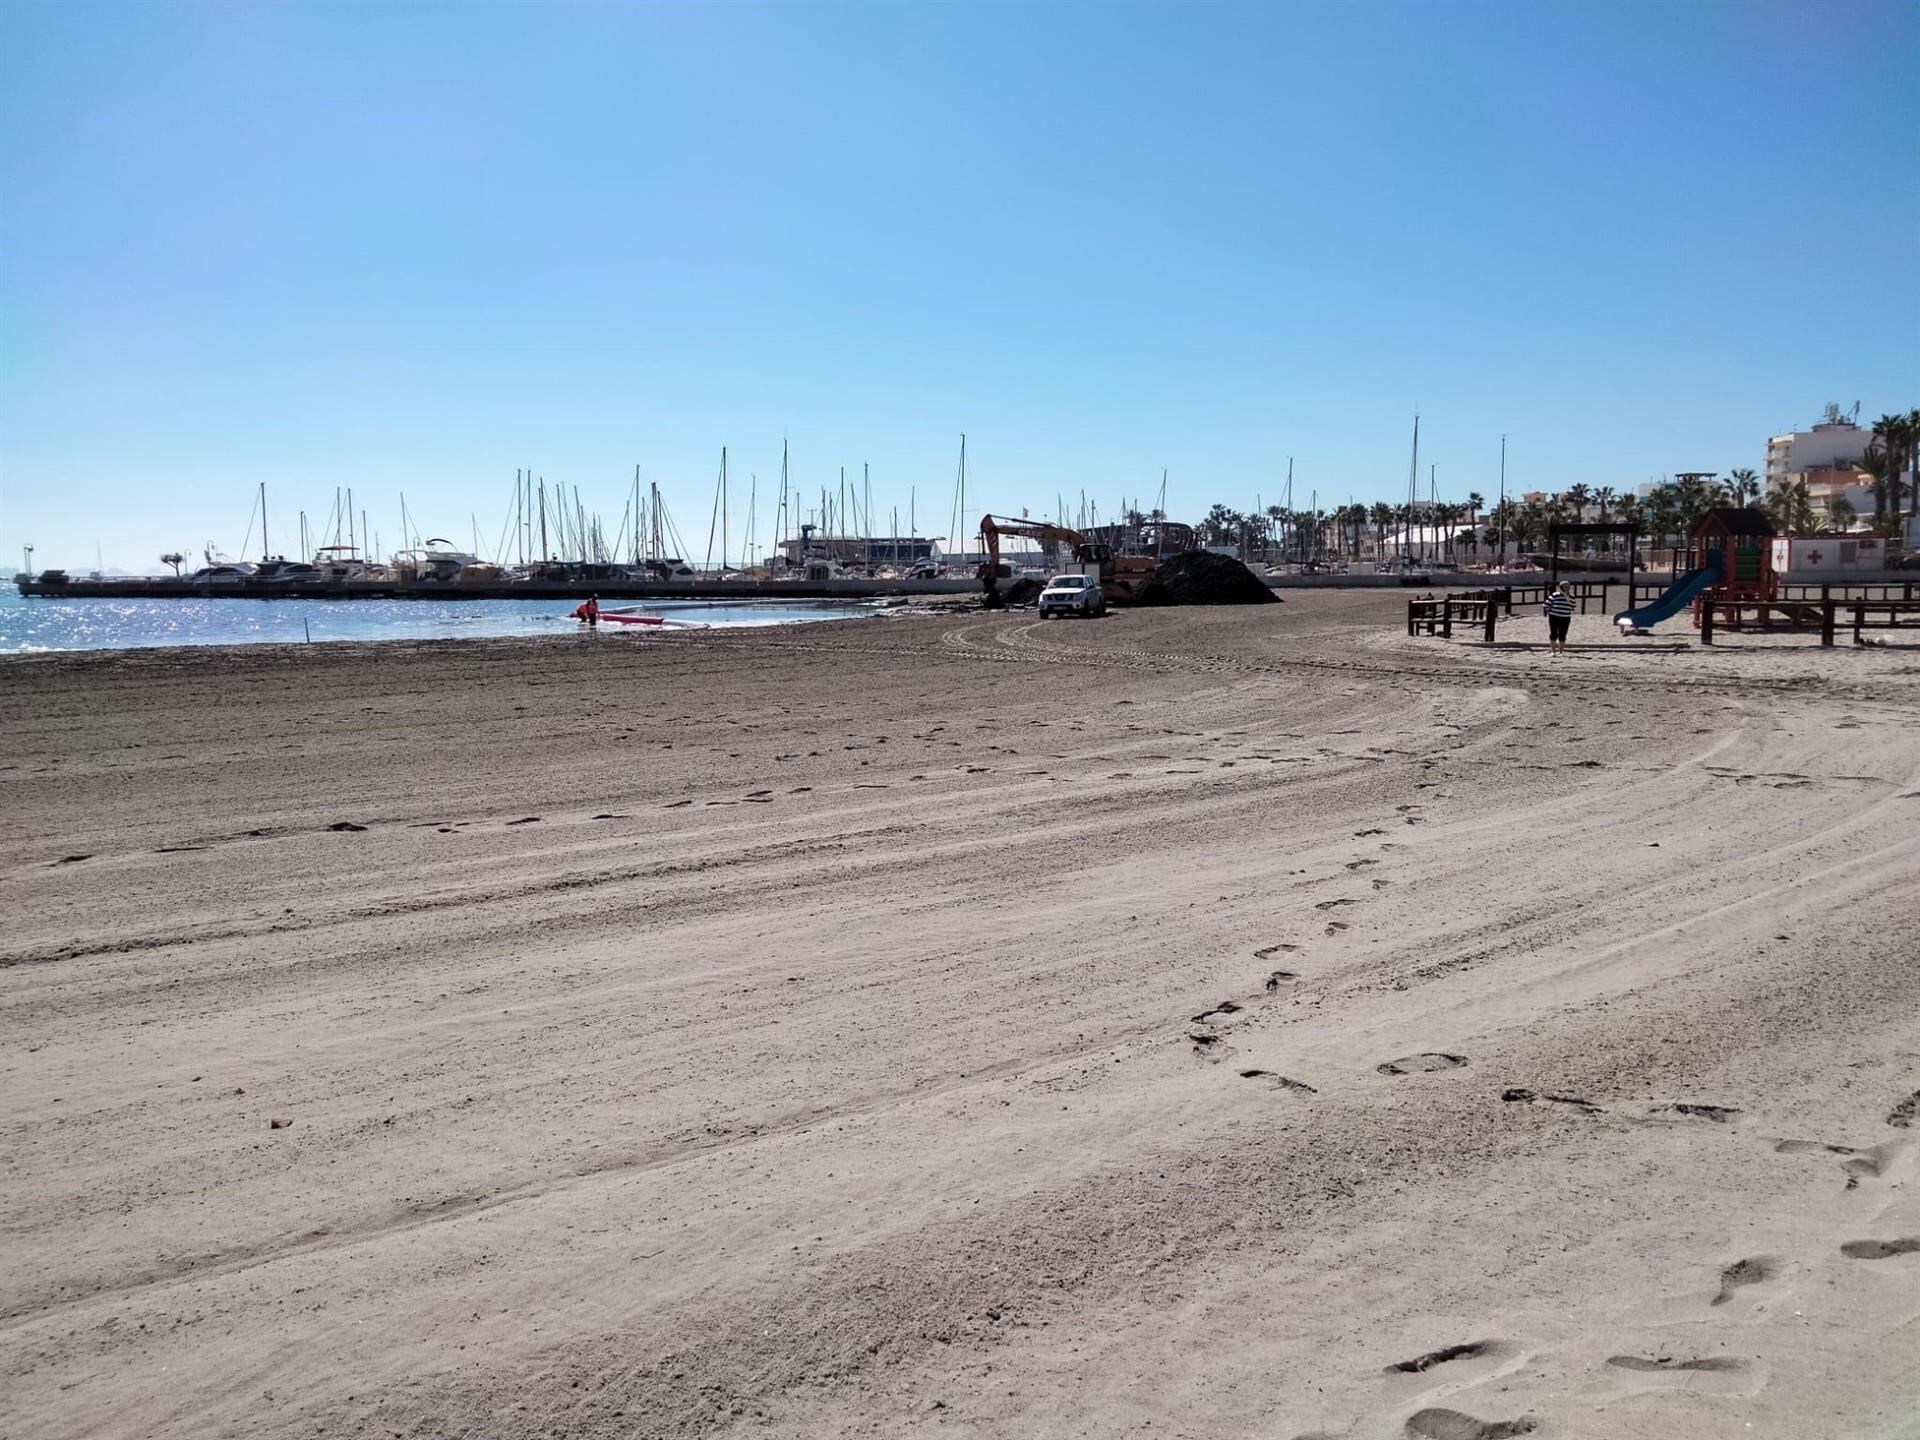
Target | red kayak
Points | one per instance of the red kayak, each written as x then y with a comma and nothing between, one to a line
614,617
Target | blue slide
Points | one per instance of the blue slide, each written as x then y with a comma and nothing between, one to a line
1674,598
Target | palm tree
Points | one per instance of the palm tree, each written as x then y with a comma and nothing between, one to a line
1356,520
1884,467
1840,513
1603,500
1218,525
1791,508
1578,496
1382,516
1745,485
1899,436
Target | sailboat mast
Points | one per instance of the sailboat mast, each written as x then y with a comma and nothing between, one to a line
265,550
1287,504
784,518
1160,525
1413,492
1503,504
963,483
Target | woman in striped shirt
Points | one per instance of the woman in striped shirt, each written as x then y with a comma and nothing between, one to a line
1559,611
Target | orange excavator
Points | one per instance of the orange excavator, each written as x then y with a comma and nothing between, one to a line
1121,576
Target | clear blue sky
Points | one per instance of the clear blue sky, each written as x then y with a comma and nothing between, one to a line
417,246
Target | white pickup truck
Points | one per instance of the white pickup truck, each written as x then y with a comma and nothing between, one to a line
1072,595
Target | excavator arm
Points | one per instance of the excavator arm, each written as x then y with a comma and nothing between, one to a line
992,527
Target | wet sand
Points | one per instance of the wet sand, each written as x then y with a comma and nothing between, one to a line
1193,1023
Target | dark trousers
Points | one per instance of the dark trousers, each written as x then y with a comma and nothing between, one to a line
1557,627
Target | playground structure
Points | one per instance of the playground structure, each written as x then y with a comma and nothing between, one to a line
1730,557
1730,584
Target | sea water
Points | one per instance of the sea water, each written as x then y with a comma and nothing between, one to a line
33,625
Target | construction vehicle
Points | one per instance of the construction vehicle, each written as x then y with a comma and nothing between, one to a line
1121,577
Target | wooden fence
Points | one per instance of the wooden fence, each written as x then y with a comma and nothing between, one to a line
1481,609
1805,616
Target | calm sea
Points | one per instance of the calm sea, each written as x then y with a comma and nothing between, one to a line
30,626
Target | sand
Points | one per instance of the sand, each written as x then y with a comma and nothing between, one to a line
1194,1023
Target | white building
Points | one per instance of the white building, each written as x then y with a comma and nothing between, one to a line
1830,445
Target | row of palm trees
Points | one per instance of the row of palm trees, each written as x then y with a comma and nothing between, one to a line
1470,530
1664,515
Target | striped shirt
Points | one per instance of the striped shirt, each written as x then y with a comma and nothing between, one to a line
1559,605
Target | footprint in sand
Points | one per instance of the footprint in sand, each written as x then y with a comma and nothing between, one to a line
1422,1363
1438,1424
1360,864
675,804
1426,1063
1334,904
1363,834
525,820
1279,1082
1225,1007
1334,927
1279,978
1858,1165
1752,1271
1666,1363
1272,950
1574,1102
1880,1249
1903,1115
1717,1114
1209,1045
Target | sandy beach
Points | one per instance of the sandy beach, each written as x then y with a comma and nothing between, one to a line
1204,1023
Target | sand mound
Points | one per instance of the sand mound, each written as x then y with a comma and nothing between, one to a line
1201,578
1023,591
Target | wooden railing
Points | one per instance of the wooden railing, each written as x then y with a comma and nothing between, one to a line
1803,616
1437,614
1646,590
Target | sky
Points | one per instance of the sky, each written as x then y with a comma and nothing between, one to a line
415,248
